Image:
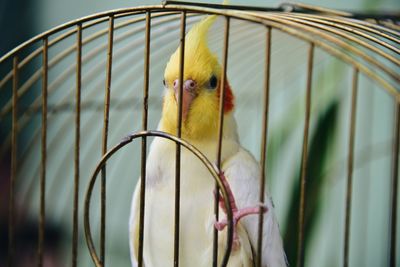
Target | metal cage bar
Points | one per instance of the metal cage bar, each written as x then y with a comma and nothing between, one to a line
352,27
283,28
337,41
350,163
330,44
288,27
69,71
211,168
390,25
394,186
42,217
332,21
77,144
320,24
105,136
24,87
303,175
69,50
144,139
264,141
178,147
223,82
361,25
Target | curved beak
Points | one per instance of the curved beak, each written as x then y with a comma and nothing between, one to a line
188,95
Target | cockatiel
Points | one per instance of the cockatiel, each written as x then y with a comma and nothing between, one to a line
200,113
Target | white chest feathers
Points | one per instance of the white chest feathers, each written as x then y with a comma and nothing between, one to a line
196,210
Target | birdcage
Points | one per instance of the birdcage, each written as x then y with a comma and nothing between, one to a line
312,85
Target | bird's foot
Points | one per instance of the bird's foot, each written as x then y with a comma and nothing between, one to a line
239,214
236,212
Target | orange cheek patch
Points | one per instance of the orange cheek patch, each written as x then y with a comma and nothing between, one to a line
229,98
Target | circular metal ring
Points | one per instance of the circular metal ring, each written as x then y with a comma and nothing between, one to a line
212,169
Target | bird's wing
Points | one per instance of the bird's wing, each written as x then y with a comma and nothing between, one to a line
134,225
243,174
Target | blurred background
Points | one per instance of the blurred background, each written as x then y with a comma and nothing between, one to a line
23,19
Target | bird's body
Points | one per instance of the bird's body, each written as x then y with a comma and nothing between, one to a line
199,127
196,207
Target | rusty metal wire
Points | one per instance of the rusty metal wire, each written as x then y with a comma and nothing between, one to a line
371,48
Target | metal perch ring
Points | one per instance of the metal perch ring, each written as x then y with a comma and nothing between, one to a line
212,169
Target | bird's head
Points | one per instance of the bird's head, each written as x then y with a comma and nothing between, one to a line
201,87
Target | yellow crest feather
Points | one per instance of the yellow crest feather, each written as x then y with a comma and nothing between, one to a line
198,57
199,61
199,64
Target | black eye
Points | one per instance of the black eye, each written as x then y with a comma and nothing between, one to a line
213,82
163,81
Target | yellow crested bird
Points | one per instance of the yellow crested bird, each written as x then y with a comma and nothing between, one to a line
240,173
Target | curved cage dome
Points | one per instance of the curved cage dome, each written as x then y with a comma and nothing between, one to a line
317,95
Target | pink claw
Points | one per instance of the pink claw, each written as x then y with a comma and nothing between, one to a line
239,214
220,225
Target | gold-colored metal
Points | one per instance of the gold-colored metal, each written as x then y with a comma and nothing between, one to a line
77,144
105,136
337,41
320,24
144,139
370,47
50,43
211,168
102,15
387,86
264,140
304,156
42,217
320,9
354,28
329,49
394,185
350,163
178,147
25,86
223,82
242,15
69,71
391,25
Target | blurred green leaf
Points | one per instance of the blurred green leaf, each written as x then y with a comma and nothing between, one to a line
319,147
